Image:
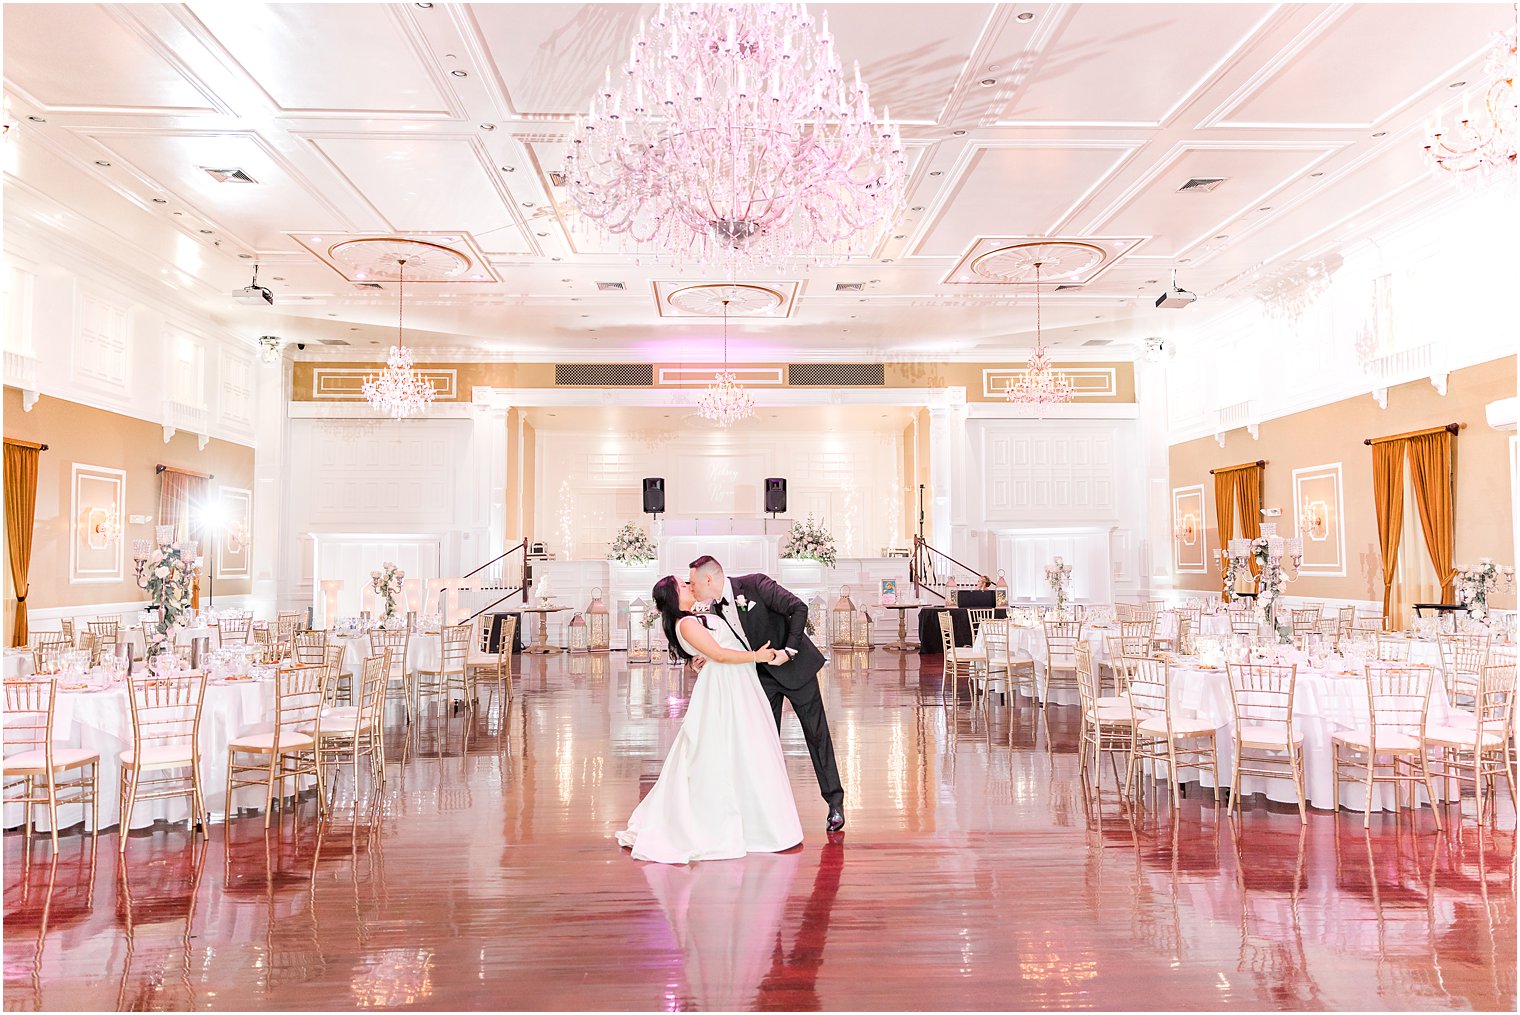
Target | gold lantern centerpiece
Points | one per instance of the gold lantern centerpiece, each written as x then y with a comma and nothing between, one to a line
640,620
580,638
598,624
849,626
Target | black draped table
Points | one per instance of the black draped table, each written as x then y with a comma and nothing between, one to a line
960,621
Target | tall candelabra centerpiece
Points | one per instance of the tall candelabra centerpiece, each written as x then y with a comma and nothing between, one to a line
387,584
1058,577
1476,582
1274,557
167,571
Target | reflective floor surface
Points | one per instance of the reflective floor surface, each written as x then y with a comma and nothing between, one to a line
977,872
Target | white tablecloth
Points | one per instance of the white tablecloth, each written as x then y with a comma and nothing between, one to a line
18,663
423,651
102,721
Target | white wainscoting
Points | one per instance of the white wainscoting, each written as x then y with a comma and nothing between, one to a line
350,557
1023,555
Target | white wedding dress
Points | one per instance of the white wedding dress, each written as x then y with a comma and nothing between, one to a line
723,790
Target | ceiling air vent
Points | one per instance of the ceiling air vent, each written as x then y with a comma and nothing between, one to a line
604,375
1063,288
228,175
368,285
332,341
836,375
557,177
1098,341
1201,184
610,287
849,287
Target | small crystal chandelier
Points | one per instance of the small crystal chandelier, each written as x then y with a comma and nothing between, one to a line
1040,385
725,402
399,391
730,136
1483,148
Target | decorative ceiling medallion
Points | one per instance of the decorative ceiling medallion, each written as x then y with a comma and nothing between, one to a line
706,299
1064,260
430,257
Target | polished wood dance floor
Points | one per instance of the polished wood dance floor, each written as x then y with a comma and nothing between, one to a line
976,872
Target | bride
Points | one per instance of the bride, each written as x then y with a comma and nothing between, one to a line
723,791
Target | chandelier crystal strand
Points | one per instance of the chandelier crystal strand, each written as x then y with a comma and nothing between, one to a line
1041,384
731,137
399,391
1483,147
725,402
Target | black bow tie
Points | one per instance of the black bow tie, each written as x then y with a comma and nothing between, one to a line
718,605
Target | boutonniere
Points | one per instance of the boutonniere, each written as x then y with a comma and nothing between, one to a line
700,607
744,604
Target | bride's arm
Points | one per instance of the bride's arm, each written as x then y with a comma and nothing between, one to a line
701,639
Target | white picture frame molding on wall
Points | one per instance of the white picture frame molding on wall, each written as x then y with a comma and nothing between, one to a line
237,514
1190,500
1314,485
97,509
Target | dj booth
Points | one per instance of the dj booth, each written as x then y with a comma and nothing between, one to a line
960,620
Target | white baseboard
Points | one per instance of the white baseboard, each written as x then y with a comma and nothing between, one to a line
126,612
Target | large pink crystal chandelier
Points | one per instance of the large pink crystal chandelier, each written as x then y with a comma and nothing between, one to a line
725,402
399,391
1040,384
1483,146
730,137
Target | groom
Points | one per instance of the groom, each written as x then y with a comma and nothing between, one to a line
759,611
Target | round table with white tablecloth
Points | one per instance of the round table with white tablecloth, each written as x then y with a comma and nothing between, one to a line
18,663
424,650
102,721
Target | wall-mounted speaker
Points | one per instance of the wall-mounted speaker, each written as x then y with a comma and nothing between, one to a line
775,496
654,496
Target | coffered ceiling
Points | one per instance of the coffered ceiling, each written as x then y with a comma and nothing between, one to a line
444,122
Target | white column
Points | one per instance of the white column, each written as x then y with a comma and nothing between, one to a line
1153,568
940,473
271,590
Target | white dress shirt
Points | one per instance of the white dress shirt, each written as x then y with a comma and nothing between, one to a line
728,593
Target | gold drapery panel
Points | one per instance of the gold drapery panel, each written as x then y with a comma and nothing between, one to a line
1388,503
21,460
1430,470
181,504
1237,496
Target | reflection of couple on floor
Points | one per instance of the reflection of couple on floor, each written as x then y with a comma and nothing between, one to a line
727,920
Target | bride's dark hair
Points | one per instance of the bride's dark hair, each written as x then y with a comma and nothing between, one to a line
667,599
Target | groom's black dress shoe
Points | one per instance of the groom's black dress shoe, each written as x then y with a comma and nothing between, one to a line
836,819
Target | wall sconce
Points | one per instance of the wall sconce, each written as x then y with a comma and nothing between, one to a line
102,528
1186,529
1314,520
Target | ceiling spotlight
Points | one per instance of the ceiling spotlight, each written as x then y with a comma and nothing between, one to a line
1027,16
426,7
460,73
987,82
246,257
207,232
1456,84
1381,133
937,172
1175,298
488,126
37,119
1316,175
958,133
101,162
1265,207
509,169
269,348
917,207
1222,236
159,200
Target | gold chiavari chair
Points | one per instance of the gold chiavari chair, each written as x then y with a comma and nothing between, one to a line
233,630
1463,657
87,643
1392,649
997,645
310,648
286,624
1061,640
400,683
342,680
1133,640
47,646
1390,748
1161,736
977,615
107,632
1480,753
38,771
958,661
1366,620
348,733
1305,621
1242,617
1105,728
289,751
1265,742
164,761
1345,622
452,674
67,627
495,666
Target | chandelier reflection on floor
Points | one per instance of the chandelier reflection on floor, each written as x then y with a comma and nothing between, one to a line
725,402
1040,384
399,391
730,136
1482,147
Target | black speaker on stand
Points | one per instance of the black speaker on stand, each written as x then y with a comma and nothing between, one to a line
654,496
775,496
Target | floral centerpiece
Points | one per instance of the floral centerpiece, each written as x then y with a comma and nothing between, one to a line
1057,575
632,545
168,574
386,583
809,540
1476,582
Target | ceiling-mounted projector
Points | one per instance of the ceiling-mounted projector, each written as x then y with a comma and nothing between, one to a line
254,294
1175,297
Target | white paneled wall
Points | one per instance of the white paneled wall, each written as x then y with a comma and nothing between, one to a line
589,484
352,558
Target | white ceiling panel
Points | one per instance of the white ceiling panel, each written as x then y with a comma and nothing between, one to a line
320,59
550,57
1362,62
81,56
1023,190
1149,67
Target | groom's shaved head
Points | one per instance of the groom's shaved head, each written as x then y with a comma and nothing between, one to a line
706,577
706,565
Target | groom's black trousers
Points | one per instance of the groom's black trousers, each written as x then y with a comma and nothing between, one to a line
807,703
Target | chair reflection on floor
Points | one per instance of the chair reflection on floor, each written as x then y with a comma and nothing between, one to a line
1476,864
48,895
158,894
277,868
1270,877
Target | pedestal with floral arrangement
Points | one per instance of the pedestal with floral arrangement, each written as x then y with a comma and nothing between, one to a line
167,572
387,584
1058,577
805,551
631,545
1474,583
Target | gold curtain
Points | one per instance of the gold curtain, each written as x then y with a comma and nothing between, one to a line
1237,495
1430,472
1224,510
181,500
1388,501
21,461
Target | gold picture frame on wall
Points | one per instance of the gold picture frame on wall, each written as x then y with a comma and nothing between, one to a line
1319,518
97,509
1190,551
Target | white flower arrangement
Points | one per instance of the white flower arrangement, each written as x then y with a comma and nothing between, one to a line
387,584
632,545
809,540
1476,582
168,574
1057,575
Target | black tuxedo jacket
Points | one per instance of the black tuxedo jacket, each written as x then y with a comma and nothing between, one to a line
776,616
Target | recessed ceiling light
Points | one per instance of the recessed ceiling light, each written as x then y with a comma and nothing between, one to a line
509,169
316,239
279,278
305,297
936,173
886,260
477,275
207,232
986,82
958,133
159,200
1381,133
37,119
542,234
1456,84
246,257
1313,175
917,207
101,162
488,126
1222,236
426,7
1186,260
1265,207
332,315
554,259
1027,16
899,236
460,73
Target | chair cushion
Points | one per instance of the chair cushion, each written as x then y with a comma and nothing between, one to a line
160,756
35,760
1114,713
1386,741
1266,736
1452,736
343,714
265,742
1113,701
1180,727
